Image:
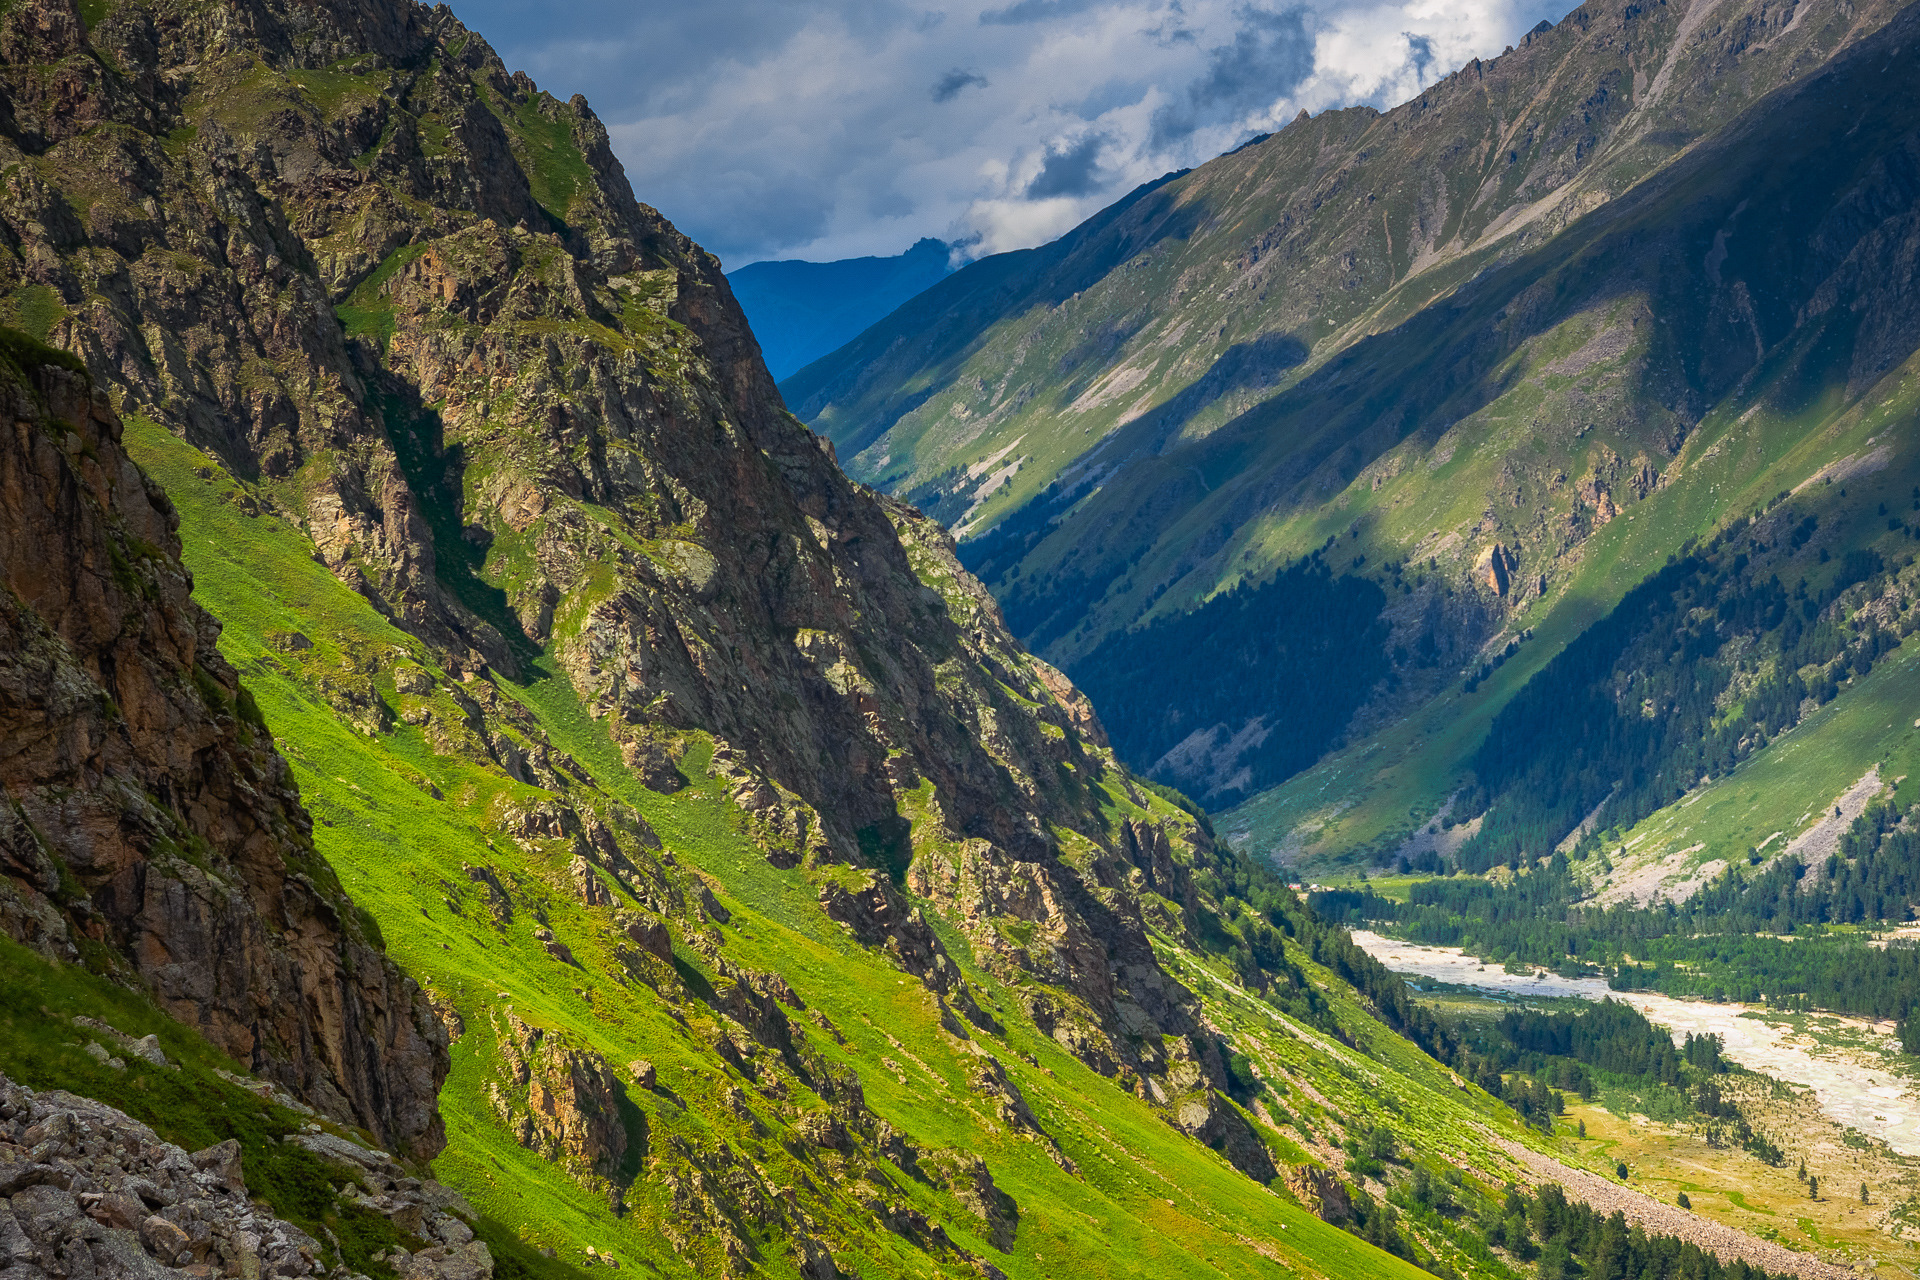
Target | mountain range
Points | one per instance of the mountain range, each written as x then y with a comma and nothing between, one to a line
1275,455
801,311
488,795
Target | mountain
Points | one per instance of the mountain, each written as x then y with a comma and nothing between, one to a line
1276,456
800,311
447,693
767,906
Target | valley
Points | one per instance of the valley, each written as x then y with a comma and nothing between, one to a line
1833,1090
1469,400
1853,1067
498,788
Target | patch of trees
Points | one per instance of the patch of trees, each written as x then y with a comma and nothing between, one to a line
1723,943
1569,1239
1262,914
1697,667
1302,650
1612,1036
1689,951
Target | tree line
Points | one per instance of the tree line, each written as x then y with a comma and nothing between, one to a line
1634,712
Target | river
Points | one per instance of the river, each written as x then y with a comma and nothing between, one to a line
1854,1081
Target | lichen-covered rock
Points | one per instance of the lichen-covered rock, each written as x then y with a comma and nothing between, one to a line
147,812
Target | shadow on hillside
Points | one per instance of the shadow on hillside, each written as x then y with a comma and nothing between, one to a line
1752,317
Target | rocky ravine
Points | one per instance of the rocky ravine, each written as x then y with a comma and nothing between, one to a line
412,301
149,826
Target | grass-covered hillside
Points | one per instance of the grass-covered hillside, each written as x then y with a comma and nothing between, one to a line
734,1079
1493,355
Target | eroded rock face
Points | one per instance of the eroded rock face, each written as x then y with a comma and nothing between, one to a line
562,1101
1321,1192
147,814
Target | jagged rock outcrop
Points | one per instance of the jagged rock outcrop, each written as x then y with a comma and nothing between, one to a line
422,316
148,823
971,1182
1321,1192
564,1102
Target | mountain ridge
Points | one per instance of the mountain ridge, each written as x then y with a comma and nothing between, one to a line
507,524
1102,489
803,310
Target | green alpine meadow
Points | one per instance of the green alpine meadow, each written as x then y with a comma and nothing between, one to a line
1349,716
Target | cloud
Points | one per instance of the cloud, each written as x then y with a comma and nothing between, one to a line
837,128
948,86
1025,11
1269,57
1071,171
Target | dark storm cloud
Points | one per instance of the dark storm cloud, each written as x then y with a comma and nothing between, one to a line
1074,171
1270,55
948,86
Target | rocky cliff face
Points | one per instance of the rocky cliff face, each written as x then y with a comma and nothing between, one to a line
411,303
149,826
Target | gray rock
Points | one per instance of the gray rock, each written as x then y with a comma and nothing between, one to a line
118,1256
110,1201
98,1052
166,1241
148,1047
222,1162
47,1214
340,1151
449,1262
15,1249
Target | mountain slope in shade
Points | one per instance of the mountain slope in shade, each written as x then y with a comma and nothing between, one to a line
800,311
1431,352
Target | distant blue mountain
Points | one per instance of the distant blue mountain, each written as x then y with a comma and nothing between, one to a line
800,311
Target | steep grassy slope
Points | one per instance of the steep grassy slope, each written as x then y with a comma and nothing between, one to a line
522,556
1374,794
1102,1183
1443,348
149,831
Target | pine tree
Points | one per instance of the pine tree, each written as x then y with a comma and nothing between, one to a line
1682,1201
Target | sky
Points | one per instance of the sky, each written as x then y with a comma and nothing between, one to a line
824,129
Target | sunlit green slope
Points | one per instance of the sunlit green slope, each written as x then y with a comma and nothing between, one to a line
718,1157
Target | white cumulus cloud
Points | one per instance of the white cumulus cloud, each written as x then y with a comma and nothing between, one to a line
834,128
